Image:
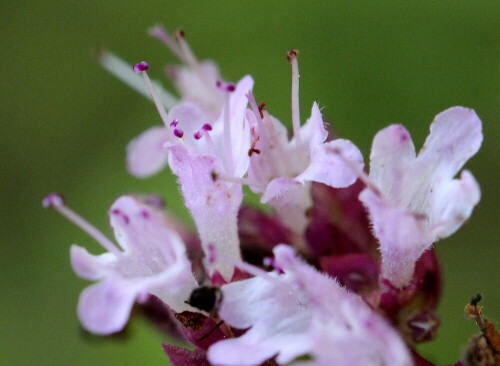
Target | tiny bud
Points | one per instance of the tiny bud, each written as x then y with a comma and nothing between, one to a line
178,133
141,66
292,54
53,200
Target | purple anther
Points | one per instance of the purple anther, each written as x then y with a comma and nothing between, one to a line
198,135
230,88
207,127
145,214
119,213
218,84
141,66
174,123
53,200
178,133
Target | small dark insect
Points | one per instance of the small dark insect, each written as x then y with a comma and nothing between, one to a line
206,298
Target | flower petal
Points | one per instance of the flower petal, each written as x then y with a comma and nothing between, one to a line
104,308
402,234
314,131
328,167
213,204
146,154
456,135
391,158
453,203
91,267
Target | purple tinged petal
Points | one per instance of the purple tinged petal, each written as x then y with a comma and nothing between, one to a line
328,167
145,154
104,308
453,203
402,235
314,131
91,267
455,136
214,205
391,158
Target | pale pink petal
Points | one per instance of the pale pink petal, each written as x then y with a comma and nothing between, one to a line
402,234
146,154
314,131
328,167
456,135
91,267
104,308
213,204
391,158
278,189
453,203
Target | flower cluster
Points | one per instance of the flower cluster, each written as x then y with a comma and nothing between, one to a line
342,272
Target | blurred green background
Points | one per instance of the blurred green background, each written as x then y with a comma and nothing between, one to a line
66,123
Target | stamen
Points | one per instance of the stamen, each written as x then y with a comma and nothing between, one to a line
227,87
251,269
358,172
258,115
203,132
188,55
56,201
197,135
160,33
206,127
292,58
154,95
216,176
174,123
141,66
124,72
178,133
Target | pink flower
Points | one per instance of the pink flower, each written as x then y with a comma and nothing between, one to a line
281,170
297,311
151,259
414,200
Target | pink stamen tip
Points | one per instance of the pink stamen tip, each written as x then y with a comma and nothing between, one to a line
231,88
178,133
53,200
218,84
155,201
141,66
207,127
174,123
197,135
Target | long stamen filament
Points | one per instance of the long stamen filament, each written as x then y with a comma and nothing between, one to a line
160,33
227,178
152,91
228,148
292,58
83,224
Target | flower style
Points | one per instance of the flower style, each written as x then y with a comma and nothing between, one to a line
296,311
151,260
281,170
414,200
